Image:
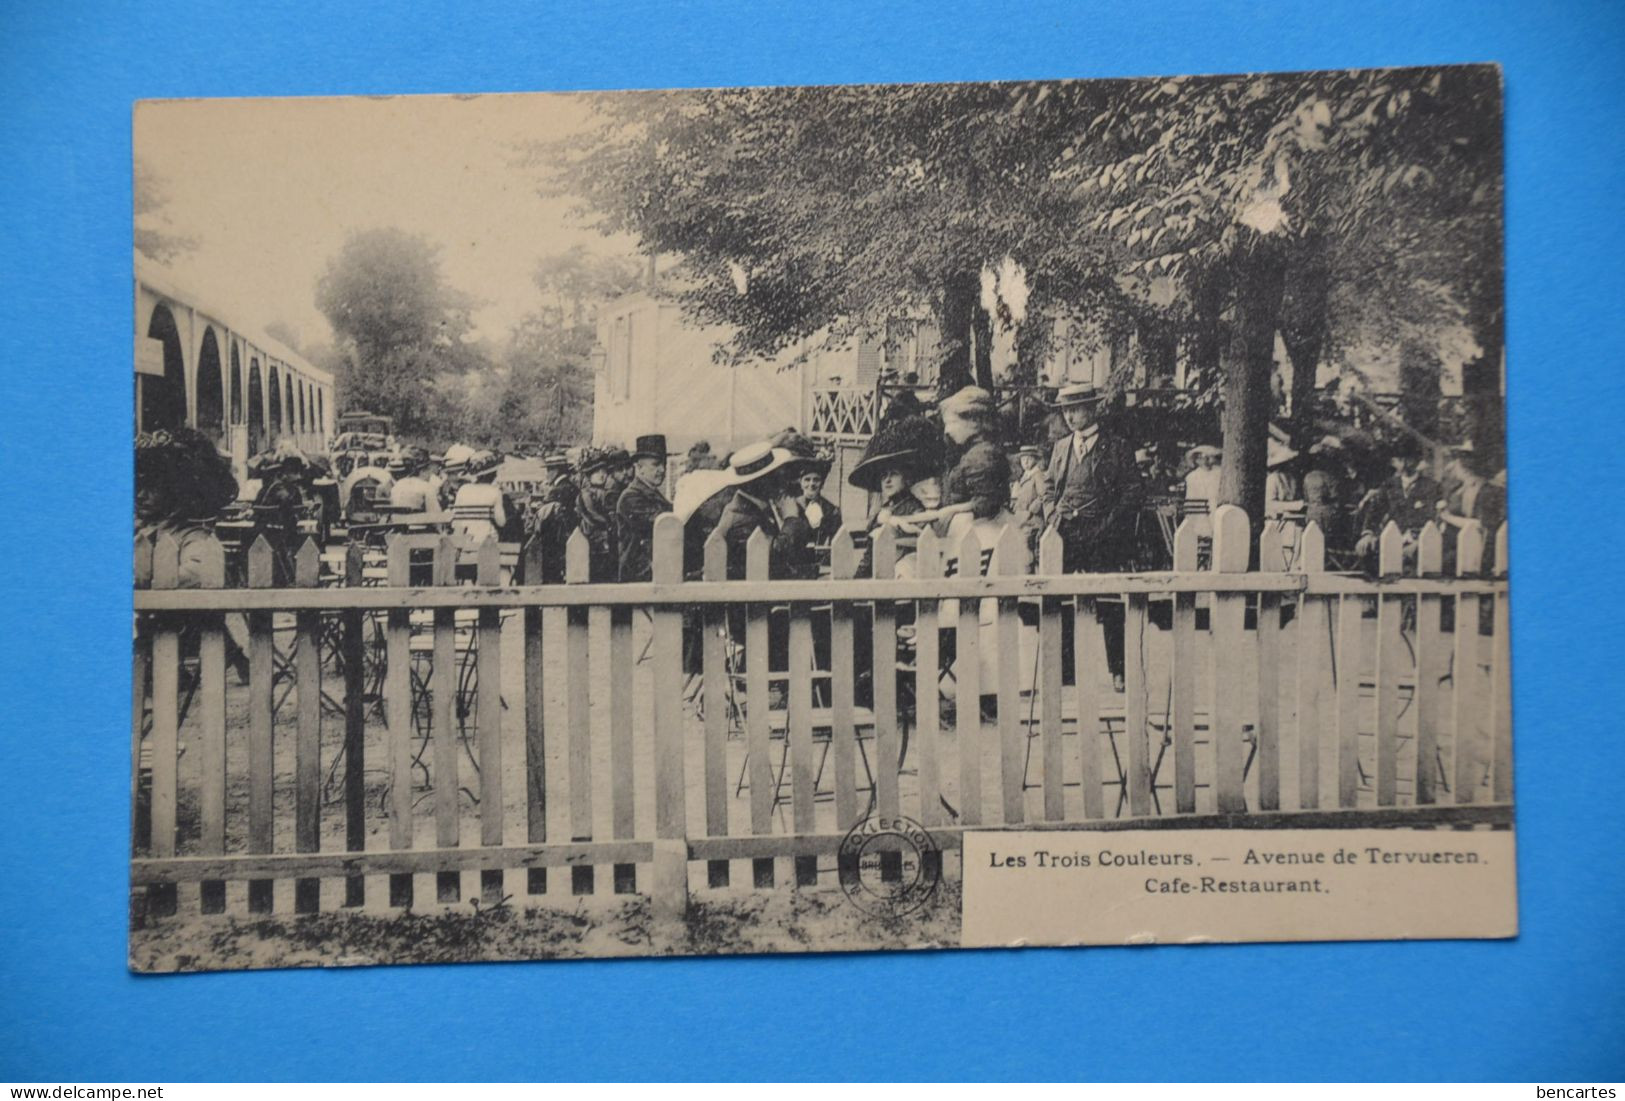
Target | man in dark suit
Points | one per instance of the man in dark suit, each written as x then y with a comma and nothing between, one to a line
1094,488
1410,498
639,504
1092,499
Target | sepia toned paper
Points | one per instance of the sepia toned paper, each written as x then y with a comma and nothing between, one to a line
701,522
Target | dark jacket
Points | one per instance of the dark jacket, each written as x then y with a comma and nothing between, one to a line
979,474
635,515
1094,502
1410,509
597,522
824,531
791,553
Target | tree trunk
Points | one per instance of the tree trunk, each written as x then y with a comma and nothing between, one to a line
1303,331
959,308
1260,279
1207,356
1303,349
981,327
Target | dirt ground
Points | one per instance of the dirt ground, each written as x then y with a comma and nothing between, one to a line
732,923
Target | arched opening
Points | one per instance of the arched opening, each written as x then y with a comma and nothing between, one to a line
211,394
256,409
236,386
303,426
321,414
163,400
276,405
287,404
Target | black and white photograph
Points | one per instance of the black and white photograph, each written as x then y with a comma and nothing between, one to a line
820,519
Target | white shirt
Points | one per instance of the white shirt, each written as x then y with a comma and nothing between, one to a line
1084,442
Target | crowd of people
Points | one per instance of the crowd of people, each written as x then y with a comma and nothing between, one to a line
946,468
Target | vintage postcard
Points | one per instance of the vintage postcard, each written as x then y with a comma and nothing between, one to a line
820,519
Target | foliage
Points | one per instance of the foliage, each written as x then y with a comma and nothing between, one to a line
1341,209
405,345
403,332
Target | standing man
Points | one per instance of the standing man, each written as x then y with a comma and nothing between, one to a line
639,504
551,520
1092,498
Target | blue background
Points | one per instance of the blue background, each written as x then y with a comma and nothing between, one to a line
1550,1005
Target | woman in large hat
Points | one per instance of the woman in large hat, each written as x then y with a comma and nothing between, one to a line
904,454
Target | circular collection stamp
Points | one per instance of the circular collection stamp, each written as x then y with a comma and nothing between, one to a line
889,865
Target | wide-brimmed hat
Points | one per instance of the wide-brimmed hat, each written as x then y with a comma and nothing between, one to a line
1279,453
1203,450
650,447
1078,393
556,460
1029,449
755,461
458,454
912,444
482,462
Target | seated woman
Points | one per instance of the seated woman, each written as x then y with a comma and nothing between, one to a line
899,466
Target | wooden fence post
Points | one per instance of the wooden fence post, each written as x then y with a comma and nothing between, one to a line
1501,682
1010,555
443,696
535,723
758,732
261,747
1182,688
927,701
1466,691
1432,663
212,723
488,670
967,686
1051,551
355,727
307,895
164,741
843,562
1272,557
1232,539
715,684
1314,673
1392,658
669,893
578,701
398,717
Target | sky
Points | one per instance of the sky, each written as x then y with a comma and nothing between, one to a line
270,189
